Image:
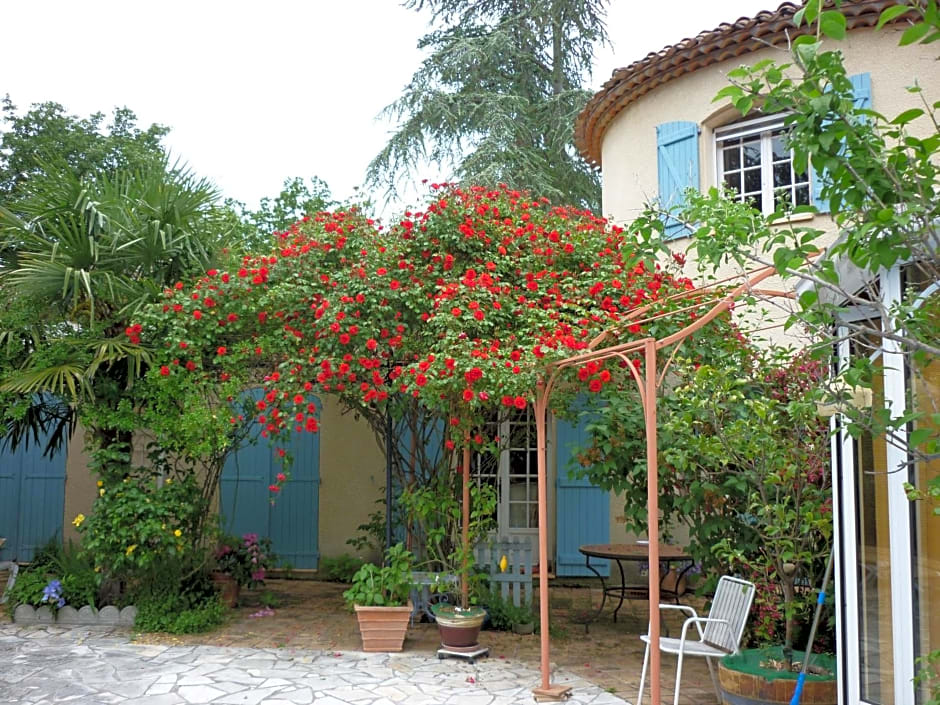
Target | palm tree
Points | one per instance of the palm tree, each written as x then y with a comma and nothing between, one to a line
79,256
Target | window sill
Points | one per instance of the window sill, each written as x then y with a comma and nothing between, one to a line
794,218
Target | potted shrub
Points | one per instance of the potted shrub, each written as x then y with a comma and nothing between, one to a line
379,595
240,563
435,509
755,433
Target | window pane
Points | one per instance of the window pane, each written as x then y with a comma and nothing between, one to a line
926,539
733,181
802,195
752,181
756,201
779,148
752,154
732,158
517,515
782,174
875,650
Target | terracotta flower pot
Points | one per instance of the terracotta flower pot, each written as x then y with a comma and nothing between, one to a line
383,628
228,588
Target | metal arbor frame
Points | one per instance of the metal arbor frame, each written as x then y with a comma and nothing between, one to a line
648,385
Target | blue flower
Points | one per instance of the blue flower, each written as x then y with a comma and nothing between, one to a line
53,593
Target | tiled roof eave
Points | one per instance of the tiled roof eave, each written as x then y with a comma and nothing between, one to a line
727,41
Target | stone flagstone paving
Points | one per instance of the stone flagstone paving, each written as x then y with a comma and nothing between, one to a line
98,666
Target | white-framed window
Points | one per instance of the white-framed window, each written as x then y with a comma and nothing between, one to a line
513,471
753,161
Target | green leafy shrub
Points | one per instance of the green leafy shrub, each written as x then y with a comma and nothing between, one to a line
269,599
77,581
178,600
383,586
179,614
340,569
27,590
503,613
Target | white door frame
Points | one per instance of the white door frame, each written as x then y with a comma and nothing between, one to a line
899,526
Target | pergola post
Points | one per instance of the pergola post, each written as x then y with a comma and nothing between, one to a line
545,691
648,386
652,508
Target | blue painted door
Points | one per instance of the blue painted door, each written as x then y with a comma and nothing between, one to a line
32,500
582,509
292,521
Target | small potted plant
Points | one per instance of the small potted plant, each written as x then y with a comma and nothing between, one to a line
379,595
240,563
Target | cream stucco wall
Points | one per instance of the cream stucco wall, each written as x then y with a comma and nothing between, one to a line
629,162
352,475
80,488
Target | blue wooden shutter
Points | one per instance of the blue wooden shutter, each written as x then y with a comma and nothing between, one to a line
861,99
583,510
677,161
294,516
32,499
292,522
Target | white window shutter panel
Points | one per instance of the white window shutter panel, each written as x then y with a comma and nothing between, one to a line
677,161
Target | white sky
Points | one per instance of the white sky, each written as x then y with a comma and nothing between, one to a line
256,92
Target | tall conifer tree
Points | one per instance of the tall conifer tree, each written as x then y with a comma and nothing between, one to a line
496,98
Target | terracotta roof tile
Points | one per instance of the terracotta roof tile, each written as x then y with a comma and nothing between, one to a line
727,41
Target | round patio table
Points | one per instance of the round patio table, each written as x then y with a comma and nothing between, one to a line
619,552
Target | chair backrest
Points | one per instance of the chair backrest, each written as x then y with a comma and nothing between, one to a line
732,602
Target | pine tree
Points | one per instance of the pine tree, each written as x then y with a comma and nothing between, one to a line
496,99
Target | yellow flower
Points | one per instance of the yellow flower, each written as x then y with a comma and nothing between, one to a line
77,521
100,483
177,533
101,492
130,549
169,481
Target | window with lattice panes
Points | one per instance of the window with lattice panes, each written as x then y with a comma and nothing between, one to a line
755,163
513,471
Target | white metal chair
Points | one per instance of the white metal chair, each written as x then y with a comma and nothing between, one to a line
721,635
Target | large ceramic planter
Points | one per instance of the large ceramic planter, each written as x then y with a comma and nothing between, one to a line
228,588
743,681
383,628
459,629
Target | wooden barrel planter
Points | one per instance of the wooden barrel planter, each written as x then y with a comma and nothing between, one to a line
743,681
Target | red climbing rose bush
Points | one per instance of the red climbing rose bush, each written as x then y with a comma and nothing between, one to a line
460,305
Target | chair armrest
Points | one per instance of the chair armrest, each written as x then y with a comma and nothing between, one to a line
698,622
681,608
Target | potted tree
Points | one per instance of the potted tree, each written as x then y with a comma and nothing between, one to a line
755,433
379,595
436,510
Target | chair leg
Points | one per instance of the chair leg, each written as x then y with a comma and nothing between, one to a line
646,658
675,699
711,671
